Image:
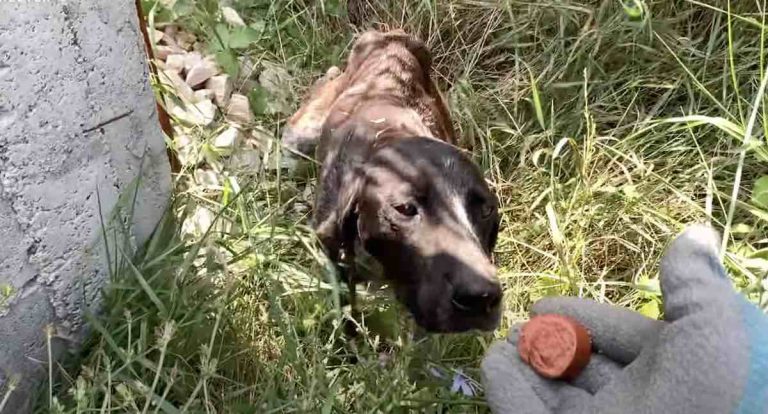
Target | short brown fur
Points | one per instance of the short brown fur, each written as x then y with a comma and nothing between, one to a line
393,184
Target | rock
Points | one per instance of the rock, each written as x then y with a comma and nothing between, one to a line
274,76
221,86
277,81
185,39
159,64
191,59
247,68
171,30
201,113
231,16
239,109
261,140
155,36
203,94
162,52
199,222
202,71
185,149
208,178
175,62
228,140
245,159
170,42
173,81
198,47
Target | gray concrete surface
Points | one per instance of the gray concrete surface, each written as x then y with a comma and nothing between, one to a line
66,68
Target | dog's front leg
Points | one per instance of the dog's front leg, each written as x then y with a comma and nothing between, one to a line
303,129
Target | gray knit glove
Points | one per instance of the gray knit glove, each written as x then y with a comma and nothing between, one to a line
709,356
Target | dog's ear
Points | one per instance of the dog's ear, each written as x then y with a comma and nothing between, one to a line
414,45
420,50
335,217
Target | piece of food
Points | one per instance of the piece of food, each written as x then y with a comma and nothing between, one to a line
555,346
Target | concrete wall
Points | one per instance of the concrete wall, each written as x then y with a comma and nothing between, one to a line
76,117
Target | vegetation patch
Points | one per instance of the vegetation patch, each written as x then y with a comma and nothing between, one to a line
603,126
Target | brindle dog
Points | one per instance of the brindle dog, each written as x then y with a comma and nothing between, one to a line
394,183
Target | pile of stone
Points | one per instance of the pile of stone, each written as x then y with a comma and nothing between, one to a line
209,113
216,136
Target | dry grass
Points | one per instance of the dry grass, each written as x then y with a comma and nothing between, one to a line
603,126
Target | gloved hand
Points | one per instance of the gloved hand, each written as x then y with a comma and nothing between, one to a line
710,355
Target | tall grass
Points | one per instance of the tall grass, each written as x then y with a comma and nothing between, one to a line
604,127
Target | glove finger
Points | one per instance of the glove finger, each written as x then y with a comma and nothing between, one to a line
692,277
616,332
519,382
512,385
506,389
600,371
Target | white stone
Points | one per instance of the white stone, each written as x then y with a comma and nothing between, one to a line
171,30
173,81
175,62
185,149
207,178
201,113
203,95
277,81
199,222
155,36
231,16
185,39
191,59
162,52
221,86
239,109
168,41
227,140
245,159
202,71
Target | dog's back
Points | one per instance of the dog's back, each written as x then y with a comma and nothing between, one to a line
388,94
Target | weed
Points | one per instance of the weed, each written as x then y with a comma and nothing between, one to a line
604,127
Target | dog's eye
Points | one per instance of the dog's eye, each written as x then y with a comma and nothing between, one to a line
406,209
477,202
486,210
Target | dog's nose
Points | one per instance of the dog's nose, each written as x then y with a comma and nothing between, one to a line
477,297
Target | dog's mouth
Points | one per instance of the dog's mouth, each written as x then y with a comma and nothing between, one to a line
447,315
459,322
436,305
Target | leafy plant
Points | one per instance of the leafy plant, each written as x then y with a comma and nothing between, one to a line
603,127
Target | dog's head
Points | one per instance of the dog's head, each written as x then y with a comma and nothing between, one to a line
424,211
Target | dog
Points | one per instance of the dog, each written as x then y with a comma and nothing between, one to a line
393,184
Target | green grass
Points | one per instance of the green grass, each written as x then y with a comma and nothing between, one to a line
603,127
